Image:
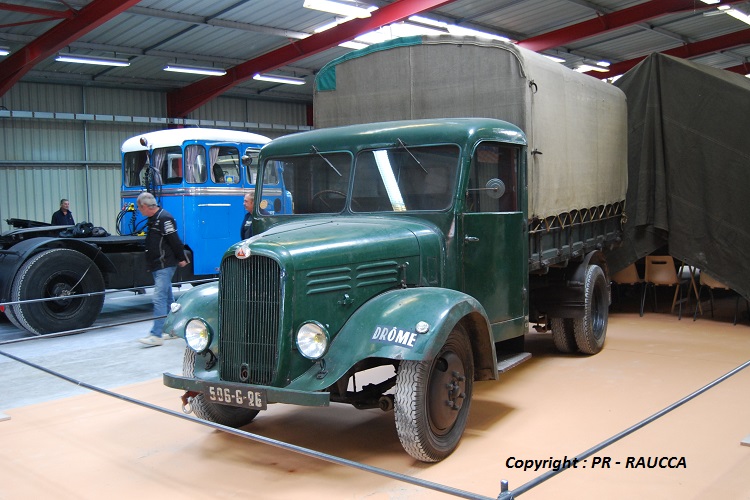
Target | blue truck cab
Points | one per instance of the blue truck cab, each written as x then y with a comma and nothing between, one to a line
200,176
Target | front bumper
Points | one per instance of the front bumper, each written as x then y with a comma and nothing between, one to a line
270,394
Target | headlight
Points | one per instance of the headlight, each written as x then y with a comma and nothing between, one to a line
197,335
312,340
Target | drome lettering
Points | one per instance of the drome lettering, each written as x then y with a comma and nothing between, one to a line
393,335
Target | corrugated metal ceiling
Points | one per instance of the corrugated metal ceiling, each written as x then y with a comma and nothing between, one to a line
225,33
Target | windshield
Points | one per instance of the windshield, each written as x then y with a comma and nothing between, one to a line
317,183
397,179
405,179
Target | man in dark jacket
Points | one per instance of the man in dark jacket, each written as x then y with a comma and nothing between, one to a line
246,229
164,252
63,217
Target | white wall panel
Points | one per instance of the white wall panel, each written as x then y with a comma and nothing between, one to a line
34,192
44,97
40,140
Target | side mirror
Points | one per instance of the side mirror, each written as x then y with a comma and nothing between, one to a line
495,188
247,160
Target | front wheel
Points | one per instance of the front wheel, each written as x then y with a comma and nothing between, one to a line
591,329
432,399
230,416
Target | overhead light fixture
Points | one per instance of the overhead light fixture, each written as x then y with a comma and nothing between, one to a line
710,2
456,30
353,45
583,68
291,80
554,58
347,9
99,61
740,16
195,70
4,51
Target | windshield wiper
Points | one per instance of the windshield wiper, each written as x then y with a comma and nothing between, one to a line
412,155
326,160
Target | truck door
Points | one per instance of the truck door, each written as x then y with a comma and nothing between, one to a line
213,210
495,268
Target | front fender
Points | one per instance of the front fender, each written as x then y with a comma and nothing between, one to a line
385,327
199,302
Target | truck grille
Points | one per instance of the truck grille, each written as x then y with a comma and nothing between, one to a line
249,312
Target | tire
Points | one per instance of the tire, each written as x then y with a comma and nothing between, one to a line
563,335
591,330
230,416
433,398
54,273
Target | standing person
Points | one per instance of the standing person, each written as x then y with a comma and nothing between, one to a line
164,252
246,230
63,217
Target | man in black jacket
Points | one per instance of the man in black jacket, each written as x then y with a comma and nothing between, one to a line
63,217
164,252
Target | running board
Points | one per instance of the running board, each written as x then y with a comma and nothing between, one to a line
509,361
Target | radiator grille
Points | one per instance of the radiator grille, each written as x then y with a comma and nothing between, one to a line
249,312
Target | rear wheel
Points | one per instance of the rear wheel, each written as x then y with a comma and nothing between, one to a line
563,335
591,329
230,416
58,272
432,399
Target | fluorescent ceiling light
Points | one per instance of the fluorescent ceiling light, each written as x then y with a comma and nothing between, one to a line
738,15
555,59
99,61
4,51
341,8
353,45
604,64
195,70
583,68
710,2
456,30
291,80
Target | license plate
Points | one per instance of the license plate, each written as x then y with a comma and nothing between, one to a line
243,397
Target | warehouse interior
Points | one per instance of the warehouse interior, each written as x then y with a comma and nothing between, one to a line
80,77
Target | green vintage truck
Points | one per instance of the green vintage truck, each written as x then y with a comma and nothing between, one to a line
409,247
423,246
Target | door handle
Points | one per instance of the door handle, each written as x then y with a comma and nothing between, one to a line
471,239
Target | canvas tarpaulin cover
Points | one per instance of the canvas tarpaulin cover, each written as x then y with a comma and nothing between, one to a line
577,122
688,167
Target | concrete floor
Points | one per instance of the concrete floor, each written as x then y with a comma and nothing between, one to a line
62,441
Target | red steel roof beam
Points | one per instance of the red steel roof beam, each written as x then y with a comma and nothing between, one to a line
93,15
612,21
686,51
182,101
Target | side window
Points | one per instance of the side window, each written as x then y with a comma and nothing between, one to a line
194,164
250,160
136,164
225,164
162,164
493,185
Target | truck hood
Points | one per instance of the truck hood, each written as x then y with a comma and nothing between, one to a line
322,242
